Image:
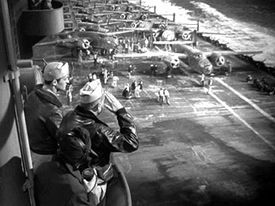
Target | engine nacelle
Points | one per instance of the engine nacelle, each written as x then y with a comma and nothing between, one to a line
113,8
217,59
175,63
143,17
168,35
85,44
186,36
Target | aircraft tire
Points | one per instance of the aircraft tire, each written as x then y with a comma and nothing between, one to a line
129,8
134,25
81,29
122,16
220,61
143,17
85,44
186,36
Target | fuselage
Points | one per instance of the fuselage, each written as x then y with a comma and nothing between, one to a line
195,58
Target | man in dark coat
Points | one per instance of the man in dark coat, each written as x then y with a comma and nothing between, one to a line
43,112
62,181
105,139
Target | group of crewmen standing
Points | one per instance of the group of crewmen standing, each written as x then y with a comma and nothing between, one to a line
163,96
206,83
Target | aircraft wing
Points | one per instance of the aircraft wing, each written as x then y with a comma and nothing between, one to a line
87,24
98,24
108,33
150,54
117,33
172,42
123,20
228,52
102,14
174,54
135,29
140,55
110,23
59,41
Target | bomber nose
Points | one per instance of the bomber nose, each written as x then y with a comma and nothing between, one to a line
206,66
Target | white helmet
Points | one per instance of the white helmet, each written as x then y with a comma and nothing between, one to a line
91,92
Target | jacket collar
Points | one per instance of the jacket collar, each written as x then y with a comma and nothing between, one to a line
75,173
88,114
69,168
48,96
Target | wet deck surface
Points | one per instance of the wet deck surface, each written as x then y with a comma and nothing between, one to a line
203,149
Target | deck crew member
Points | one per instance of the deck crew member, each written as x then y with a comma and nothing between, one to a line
229,66
202,79
210,84
92,77
161,96
126,93
166,96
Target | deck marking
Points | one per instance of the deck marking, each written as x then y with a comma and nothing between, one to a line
268,116
191,105
147,93
242,120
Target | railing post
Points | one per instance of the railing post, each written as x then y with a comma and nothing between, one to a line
155,9
174,17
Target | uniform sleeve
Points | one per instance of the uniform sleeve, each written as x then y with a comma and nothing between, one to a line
53,122
125,140
56,117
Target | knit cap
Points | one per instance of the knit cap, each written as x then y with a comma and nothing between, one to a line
55,70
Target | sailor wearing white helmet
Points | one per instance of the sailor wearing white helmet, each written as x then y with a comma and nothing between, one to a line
104,139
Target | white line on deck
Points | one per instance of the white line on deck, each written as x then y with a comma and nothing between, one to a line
242,120
268,116
145,91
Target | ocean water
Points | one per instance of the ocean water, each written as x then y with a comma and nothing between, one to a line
245,24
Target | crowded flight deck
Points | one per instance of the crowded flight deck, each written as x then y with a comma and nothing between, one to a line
126,107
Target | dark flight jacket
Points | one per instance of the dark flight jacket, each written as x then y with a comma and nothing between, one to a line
56,184
104,139
43,117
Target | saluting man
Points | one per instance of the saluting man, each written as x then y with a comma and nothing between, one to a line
105,140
